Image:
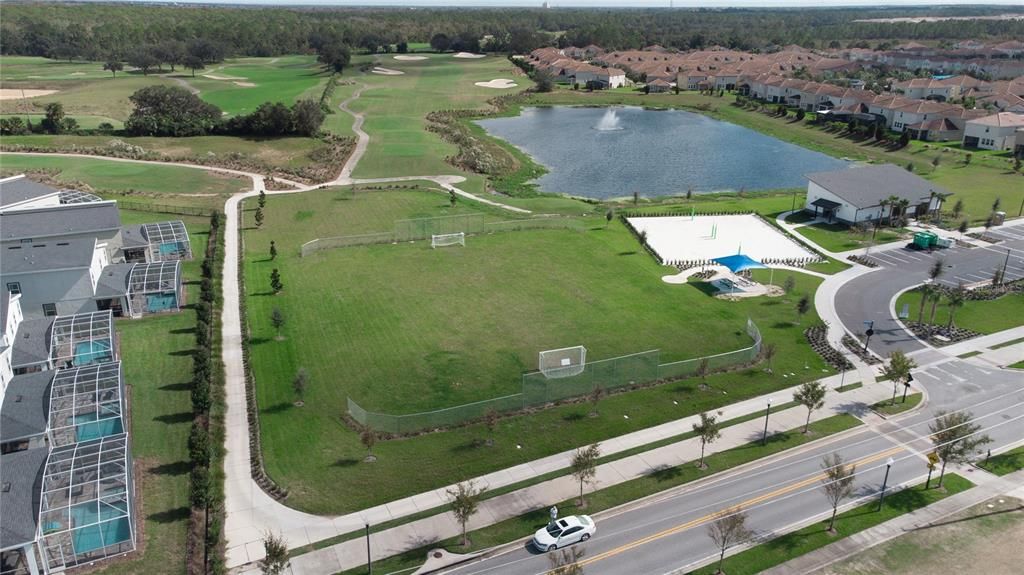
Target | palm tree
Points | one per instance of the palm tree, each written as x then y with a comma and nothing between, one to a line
894,202
955,300
904,204
884,203
928,289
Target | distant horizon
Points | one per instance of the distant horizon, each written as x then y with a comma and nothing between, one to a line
595,3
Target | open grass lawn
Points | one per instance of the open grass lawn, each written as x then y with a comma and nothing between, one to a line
1018,365
395,108
977,184
977,540
802,541
841,237
156,356
84,122
981,316
135,182
35,68
280,152
101,96
403,328
1006,462
283,79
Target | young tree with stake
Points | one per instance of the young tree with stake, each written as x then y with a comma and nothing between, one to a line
898,371
276,560
595,397
275,281
802,307
768,352
299,385
273,250
584,467
278,321
956,437
259,217
837,483
729,530
812,396
464,501
707,431
368,437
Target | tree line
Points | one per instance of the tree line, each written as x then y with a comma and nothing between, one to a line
172,34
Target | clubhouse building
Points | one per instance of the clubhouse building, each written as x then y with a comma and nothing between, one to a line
871,193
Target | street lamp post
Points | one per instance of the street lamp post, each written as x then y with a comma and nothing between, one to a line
767,411
868,333
881,496
369,560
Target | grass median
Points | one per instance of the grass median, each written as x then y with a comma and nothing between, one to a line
887,407
525,525
1005,463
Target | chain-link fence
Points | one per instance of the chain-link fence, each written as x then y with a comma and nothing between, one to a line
423,228
608,374
318,244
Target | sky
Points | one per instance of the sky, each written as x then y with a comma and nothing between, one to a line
1019,4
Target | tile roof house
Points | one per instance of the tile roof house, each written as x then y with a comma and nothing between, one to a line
1002,131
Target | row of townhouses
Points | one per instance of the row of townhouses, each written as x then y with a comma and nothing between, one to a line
68,267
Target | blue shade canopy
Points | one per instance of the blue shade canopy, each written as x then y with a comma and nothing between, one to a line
739,263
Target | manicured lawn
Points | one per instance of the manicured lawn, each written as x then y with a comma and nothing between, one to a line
84,122
284,79
157,362
981,316
278,152
978,184
786,547
33,68
840,237
396,106
886,407
849,387
1005,463
88,95
403,328
1018,365
517,527
135,182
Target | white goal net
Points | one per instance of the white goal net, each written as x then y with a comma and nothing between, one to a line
443,240
565,362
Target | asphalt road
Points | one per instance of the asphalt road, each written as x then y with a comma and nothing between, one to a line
870,296
669,532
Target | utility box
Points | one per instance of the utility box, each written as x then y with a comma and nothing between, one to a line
944,243
998,218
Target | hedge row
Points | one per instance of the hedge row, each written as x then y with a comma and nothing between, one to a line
205,441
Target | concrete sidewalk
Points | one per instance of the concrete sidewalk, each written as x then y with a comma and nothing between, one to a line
350,554
988,487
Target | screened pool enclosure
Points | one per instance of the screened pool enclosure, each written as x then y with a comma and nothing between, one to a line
154,287
82,339
85,512
168,241
86,403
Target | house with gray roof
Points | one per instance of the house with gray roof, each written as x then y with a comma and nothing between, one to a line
871,193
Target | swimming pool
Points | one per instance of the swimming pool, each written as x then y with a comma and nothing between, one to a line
90,426
87,352
111,527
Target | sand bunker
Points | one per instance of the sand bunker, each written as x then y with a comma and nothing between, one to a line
387,71
409,58
244,84
18,94
216,77
498,83
78,73
468,55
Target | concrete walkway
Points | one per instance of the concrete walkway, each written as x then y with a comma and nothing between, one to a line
350,554
989,486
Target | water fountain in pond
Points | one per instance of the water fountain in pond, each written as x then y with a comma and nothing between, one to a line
610,122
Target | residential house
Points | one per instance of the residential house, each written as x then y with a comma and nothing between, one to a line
658,86
862,194
1002,131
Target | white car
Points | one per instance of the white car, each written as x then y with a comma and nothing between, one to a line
564,531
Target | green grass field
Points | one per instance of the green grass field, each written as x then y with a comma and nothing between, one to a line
403,328
136,182
102,96
284,79
886,407
395,107
981,316
840,238
1005,463
84,122
157,361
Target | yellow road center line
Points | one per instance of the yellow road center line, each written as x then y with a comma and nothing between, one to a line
710,516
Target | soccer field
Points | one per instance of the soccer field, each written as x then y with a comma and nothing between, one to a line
403,328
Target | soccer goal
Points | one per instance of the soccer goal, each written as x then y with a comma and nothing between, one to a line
444,240
565,362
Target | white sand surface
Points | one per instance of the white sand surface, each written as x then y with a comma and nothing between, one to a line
468,55
387,71
245,84
409,58
685,239
498,83
216,77
18,93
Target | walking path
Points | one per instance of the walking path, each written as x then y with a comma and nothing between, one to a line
989,486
